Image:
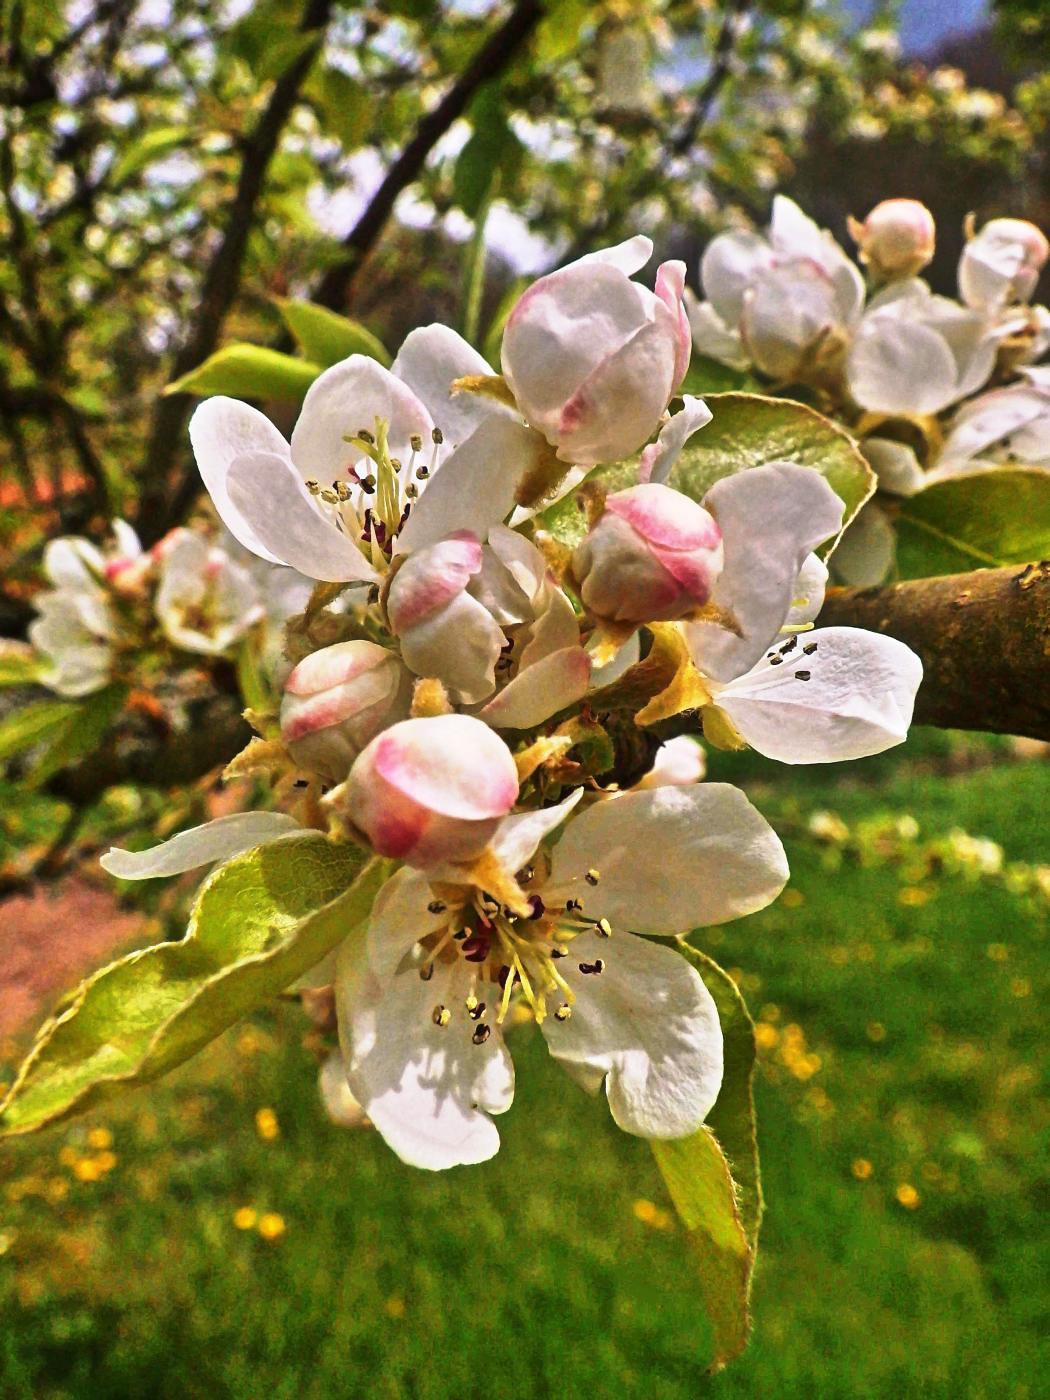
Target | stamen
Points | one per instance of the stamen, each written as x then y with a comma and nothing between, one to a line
438,437
789,645
481,1034
416,442
803,675
441,1016
597,966
776,660
471,1003
808,651
366,436
563,1012
475,1013
574,906
436,906
604,927
592,877
426,971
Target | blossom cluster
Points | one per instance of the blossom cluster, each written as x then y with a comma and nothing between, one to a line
107,608
474,708
933,386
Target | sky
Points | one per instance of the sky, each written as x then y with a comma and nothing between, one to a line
925,23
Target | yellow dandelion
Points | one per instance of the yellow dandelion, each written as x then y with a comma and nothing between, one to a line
106,1161
766,1036
87,1169
99,1139
907,1196
244,1218
266,1124
862,1169
271,1225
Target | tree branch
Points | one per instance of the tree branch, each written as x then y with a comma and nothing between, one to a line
158,511
984,639
488,63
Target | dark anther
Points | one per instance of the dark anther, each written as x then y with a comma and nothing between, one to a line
481,1034
537,907
803,675
477,1012
436,906
438,436
597,966
808,651
426,972
476,948
301,782
776,660
789,645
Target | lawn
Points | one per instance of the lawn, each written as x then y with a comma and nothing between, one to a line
213,1237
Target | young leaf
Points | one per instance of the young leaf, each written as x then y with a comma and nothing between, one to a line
260,921
249,372
750,430
81,733
713,1176
33,724
325,337
20,664
980,520
706,376
345,107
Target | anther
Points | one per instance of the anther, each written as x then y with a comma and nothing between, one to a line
416,442
475,1013
537,909
471,1002
460,934
301,782
808,651
441,1016
422,473
436,906
426,972
597,966
438,437
313,487
574,906
395,463
563,1012
558,952
411,491
604,927
481,1034
592,877
368,483
789,645
366,436
803,675
776,660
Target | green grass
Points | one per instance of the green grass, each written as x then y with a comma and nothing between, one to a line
903,1047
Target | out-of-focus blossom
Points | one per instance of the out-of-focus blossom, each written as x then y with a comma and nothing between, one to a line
1006,425
1000,264
205,602
897,238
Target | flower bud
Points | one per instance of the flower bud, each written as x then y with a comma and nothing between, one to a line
593,358
1001,264
336,700
896,239
653,556
428,791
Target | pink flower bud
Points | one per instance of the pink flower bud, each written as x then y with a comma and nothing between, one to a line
593,358
428,791
336,700
896,239
652,557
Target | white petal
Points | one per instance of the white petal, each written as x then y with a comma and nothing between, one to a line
339,1103
660,457
808,593
728,268
649,1025
712,337
895,464
219,840
475,487
630,256
679,762
864,555
786,312
556,629
427,1088
671,860
72,563
540,690
898,366
857,700
268,493
459,644
399,919
429,360
519,835
128,543
771,518
343,400
221,430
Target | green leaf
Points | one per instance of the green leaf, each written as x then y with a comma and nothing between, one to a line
558,32
750,430
325,337
713,1176
252,679
249,372
345,107
981,520
706,376
81,733
154,145
33,724
492,150
19,663
260,921
747,430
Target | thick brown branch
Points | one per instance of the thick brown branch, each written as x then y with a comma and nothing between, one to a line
221,282
488,63
984,639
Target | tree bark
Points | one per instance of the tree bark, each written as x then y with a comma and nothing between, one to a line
984,640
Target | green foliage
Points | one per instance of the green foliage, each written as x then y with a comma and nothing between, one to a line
981,520
249,372
490,157
325,337
261,921
343,105
150,146
750,430
706,376
80,733
713,1176
34,724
